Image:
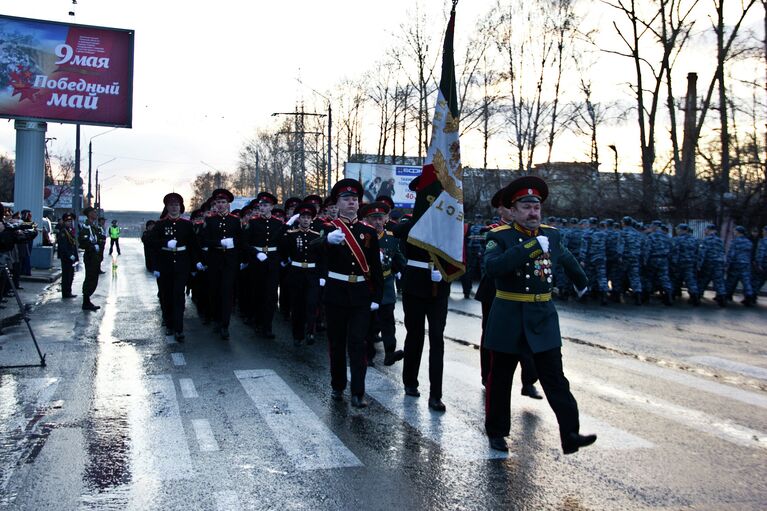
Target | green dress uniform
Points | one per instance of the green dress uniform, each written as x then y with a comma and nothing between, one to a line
523,319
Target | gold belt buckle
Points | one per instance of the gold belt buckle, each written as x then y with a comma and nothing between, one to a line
304,265
537,298
353,278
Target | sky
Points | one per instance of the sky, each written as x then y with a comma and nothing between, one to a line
208,74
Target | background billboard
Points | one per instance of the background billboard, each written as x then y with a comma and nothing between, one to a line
392,180
63,72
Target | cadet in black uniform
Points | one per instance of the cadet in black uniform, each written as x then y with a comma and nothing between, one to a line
303,280
521,257
262,237
177,256
424,297
67,251
221,240
354,288
88,239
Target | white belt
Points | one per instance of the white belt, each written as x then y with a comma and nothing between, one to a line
346,278
177,249
266,249
302,265
419,264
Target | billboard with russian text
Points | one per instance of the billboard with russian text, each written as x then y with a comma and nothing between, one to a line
391,180
62,72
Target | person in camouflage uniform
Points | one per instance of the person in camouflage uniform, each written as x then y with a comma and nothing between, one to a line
760,263
613,256
739,266
475,246
632,258
711,264
684,258
564,286
657,249
593,258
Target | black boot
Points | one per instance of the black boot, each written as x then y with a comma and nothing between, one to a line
637,298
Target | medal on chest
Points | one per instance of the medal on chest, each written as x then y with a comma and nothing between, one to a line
542,267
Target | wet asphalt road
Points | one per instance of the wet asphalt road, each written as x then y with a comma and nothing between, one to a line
123,418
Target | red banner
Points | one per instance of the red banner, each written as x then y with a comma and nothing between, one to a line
63,72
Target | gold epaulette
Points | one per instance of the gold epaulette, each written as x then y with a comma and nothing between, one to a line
501,228
314,232
549,227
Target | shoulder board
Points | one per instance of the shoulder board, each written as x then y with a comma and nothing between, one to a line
549,227
313,232
500,228
389,233
233,216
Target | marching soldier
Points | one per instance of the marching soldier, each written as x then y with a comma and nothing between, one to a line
263,237
284,299
657,249
67,251
760,263
424,297
711,265
177,256
303,280
354,288
684,258
392,263
613,256
221,240
523,318
739,266
91,241
632,257
593,257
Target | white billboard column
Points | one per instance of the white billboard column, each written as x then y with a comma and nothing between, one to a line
30,169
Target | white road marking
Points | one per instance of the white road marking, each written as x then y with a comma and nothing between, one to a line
308,443
695,382
227,500
187,388
204,433
178,359
610,437
159,447
694,419
456,436
729,365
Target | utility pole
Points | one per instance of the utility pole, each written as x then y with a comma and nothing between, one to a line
299,134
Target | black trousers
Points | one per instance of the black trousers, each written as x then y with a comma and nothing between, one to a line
92,265
303,287
222,269
112,243
67,276
382,321
266,278
555,386
529,373
417,311
172,284
347,327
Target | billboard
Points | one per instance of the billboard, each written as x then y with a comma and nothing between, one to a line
62,72
58,196
391,180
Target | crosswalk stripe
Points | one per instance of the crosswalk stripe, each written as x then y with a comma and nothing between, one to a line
227,500
695,419
159,447
695,382
204,433
457,437
306,440
178,359
610,437
729,365
187,388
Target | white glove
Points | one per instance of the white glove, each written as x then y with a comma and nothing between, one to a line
227,243
398,275
580,292
71,258
243,266
292,219
544,242
200,267
382,256
436,276
373,306
261,256
283,264
336,237
96,248
172,243
322,282
156,274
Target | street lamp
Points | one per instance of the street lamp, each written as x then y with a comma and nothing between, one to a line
98,199
617,177
90,158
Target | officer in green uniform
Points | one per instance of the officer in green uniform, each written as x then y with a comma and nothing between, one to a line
523,319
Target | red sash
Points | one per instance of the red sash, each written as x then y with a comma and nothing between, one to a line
354,246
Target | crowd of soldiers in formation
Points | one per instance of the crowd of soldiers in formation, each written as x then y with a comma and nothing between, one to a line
630,261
